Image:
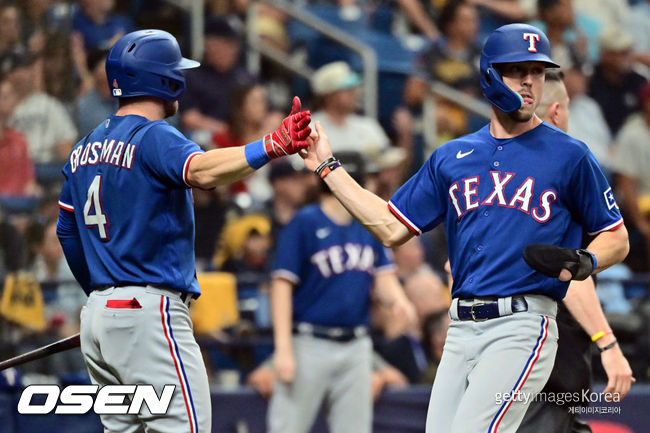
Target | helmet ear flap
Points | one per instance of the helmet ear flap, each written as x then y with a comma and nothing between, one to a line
498,93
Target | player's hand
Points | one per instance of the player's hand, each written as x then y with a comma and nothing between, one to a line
262,379
619,373
387,376
285,365
318,150
291,136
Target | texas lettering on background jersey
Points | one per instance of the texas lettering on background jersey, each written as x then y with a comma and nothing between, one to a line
332,268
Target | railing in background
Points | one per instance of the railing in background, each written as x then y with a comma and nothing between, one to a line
463,100
195,9
258,47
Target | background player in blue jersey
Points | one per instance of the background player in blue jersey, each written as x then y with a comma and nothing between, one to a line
327,265
516,182
126,225
579,316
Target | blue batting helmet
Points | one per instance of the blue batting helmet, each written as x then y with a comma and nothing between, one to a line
147,63
509,44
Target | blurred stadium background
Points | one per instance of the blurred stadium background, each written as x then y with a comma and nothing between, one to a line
416,63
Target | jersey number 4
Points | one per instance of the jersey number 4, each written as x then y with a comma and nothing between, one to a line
94,202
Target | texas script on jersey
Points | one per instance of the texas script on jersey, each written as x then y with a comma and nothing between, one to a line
465,194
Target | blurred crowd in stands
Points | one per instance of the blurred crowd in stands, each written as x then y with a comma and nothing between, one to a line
53,91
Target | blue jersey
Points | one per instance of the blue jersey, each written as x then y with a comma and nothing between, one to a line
496,196
332,268
126,184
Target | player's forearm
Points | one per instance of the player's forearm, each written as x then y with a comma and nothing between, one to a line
582,302
281,312
66,231
371,211
609,247
218,167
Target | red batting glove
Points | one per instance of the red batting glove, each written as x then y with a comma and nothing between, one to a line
291,136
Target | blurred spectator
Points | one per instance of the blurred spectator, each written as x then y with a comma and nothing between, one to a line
568,44
409,259
614,85
57,63
98,25
608,13
49,265
495,13
638,24
435,333
205,103
401,343
247,240
42,118
96,105
386,171
586,122
12,249
249,119
9,28
42,18
453,58
16,168
632,164
290,192
428,293
337,88
210,209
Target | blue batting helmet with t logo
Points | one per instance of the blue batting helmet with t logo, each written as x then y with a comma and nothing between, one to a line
147,63
510,44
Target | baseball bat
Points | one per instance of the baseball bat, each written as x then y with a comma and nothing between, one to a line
42,352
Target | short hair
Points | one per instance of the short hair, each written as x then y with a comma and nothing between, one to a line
554,74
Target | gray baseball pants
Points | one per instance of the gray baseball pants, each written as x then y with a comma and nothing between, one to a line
491,370
335,373
153,344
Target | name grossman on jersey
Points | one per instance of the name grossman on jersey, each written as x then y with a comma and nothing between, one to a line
109,152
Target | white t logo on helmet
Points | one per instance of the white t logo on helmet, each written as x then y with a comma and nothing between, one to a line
531,38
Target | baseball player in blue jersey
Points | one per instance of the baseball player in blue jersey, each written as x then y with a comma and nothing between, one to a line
516,188
126,225
320,293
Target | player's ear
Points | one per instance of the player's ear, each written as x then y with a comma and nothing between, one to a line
554,113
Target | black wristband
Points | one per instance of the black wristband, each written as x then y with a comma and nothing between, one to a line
609,346
330,163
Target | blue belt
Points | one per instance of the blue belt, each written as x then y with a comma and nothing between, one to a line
481,311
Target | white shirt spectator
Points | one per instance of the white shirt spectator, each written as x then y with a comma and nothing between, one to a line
45,122
587,124
632,152
358,133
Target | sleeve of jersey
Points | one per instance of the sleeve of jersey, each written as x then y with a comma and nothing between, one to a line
593,200
65,199
68,234
167,153
420,204
289,252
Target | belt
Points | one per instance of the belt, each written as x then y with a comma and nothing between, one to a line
339,334
484,310
185,297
